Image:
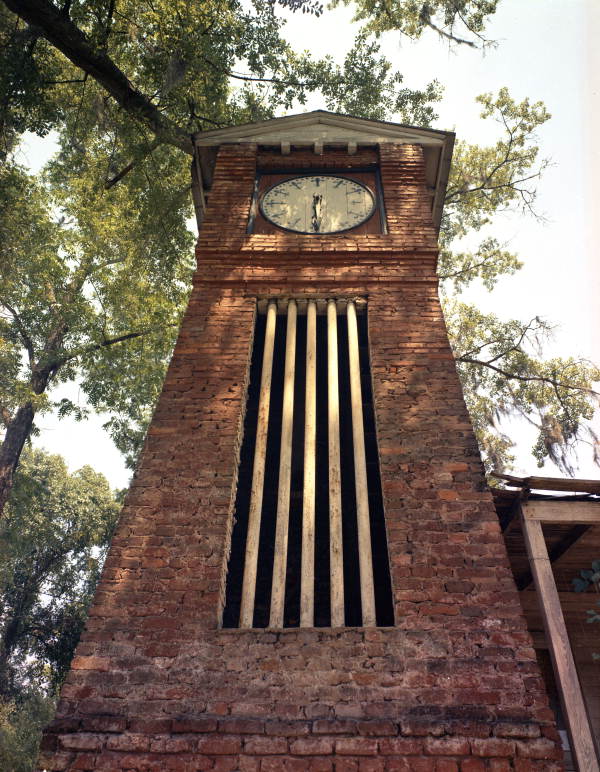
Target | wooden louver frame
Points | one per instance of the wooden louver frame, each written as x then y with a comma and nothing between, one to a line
332,309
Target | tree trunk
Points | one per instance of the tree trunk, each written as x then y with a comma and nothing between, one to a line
62,33
17,434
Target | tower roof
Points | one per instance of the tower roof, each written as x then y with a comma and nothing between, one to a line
321,128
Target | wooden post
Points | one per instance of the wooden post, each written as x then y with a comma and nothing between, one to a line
365,560
580,735
285,473
336,555
258,473
307,585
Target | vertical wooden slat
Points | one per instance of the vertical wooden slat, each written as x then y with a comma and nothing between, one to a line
580,735
336,556
258,473
307,584
285,473
367,590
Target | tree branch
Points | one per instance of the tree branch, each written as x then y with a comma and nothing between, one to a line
131,165
61,82
107,342
468,269
62,33
515,376
27,342
449,35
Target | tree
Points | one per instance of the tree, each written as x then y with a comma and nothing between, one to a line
125,85
52,545
501,363
21,725
100,301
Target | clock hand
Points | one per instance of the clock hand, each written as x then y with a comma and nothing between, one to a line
316,212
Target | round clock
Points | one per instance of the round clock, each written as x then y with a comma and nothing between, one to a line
319,203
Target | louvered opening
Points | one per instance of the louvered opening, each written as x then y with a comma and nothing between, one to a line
309,544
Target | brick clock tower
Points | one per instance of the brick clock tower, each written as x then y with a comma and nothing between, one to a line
308,573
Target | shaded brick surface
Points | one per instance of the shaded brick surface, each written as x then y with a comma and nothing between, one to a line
156,684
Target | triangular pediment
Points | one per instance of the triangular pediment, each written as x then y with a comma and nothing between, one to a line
321,127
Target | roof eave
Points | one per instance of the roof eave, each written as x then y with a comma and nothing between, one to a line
437,145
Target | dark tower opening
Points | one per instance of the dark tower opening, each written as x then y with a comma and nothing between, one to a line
351,570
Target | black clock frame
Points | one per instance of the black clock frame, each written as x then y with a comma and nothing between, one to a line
378,201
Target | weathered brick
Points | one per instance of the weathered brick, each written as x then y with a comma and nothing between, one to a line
539,748
527,765
446,765
499,765
355,746
150,725
214,746
128,742
265,745
199,725
492,746
446,746
80,742
241,726
311,746
320,765
397,746
377,728
287,728
472,765
334,727
371,765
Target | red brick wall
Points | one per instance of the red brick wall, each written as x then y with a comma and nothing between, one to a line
454,685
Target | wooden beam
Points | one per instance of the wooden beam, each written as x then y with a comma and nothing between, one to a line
307,560
562,511
285,473
365,555
336,547
580,734
550,483
258,473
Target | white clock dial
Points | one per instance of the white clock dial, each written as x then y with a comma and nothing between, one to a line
319,203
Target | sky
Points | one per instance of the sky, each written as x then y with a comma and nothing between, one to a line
546,50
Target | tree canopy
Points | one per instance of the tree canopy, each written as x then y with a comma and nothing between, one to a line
96,256
53,539
501,362
457,21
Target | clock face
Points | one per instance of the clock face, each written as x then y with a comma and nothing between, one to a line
319,203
